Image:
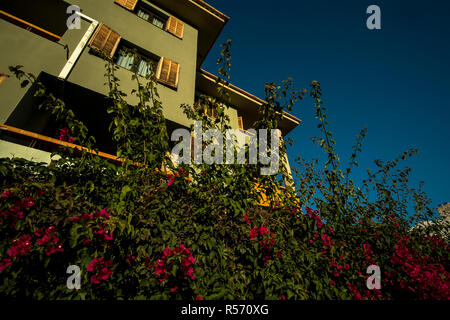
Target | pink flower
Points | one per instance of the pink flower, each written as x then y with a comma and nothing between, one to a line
28,202
103,234
332,283
247,221
167,252
254,233
279,254
171,179
49,240
282,297
198,298
39,193
163,266
130,258
75,219
50,230
5,263
21,246
174,289
51,250
101,268
102,213
6,194
64,135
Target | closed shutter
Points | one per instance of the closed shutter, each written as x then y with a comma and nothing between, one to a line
168,71
3,77
128,4
192,147
105,40
175,27
240,123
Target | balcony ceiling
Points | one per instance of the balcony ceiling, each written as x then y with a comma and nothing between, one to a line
246,104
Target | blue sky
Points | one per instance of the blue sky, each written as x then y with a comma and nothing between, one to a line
395,81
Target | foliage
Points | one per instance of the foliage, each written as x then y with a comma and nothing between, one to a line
150,230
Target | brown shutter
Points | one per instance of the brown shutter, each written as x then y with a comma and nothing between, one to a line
105,40
175,26
3,77
168,71
127,4
192,147
240,123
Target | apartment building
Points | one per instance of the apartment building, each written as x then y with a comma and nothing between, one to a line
172,36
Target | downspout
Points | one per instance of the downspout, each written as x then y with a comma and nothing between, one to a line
79,48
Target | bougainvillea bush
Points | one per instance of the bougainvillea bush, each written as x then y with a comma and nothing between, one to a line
148,230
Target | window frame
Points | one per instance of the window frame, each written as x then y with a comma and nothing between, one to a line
153,13
142,56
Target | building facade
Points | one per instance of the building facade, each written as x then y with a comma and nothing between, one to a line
171,37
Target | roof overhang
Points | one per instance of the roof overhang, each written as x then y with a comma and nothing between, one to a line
197,13
246,103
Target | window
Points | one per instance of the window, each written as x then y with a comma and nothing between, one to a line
106,42
150,16
211,111
142,64
206,105
154,16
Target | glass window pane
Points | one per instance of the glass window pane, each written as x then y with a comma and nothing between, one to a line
125,61
144,68
142,14
158,22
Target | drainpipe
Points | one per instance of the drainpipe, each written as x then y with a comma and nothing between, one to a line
80,47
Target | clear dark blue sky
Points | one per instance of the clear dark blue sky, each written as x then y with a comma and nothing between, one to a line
395,81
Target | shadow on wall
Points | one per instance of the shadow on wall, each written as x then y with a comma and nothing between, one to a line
89,107
47,14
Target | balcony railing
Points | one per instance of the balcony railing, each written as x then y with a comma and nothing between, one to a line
29,26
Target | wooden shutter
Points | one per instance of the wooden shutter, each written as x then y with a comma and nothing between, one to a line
168,71
3,77
127,4
240,123
105,40
192,147
175,27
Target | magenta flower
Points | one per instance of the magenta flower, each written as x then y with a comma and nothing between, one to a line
21,246
6,194
101,268
5,263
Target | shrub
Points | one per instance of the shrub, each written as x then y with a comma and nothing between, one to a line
198,232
